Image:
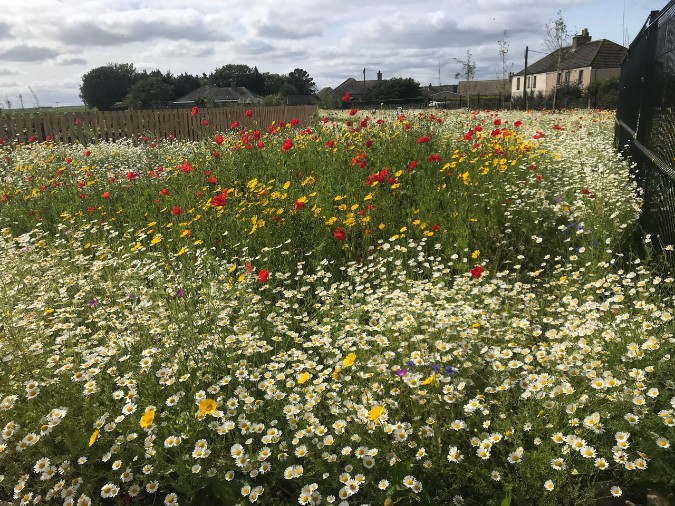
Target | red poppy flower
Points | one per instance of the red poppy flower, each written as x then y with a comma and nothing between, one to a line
205,122
105,195
78,121
234,124
219,139
261,144
216,154
249,113
263,275
176,210
339,234
498,122
353,112
330,144
518,123
218,200
346,97
131,176
299,204
186,167
294,122
69,160
325,119
164,191
423,140
288,144
31,139
256,135
81,195
195,111
435,228
538,135
212,180
369,143
477,271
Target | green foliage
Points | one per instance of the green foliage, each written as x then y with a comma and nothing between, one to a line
149,91
104,86
394,88
239,75
302,82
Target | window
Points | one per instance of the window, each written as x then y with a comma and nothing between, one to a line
581,77
529,78
517,83
567,76
559,78
534,81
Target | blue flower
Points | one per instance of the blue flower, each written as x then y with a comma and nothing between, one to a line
435,367
449,370
410,363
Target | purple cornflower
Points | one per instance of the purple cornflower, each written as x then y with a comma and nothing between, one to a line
180,293
400,372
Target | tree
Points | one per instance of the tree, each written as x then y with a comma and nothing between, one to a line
396,88
302,82
104,86
506,67
468,73
239,75
556,37
184,84
149,91
273,83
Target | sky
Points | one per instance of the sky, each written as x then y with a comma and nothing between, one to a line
46,46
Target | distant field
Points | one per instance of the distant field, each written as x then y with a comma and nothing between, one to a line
67,108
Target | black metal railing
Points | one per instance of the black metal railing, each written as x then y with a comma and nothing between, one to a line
645,121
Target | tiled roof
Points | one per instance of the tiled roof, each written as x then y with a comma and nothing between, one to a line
439,92
598,54
217,94
486,87
354,87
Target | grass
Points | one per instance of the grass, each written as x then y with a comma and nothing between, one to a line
438,307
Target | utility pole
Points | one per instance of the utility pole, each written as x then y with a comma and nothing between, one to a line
527,51
364,80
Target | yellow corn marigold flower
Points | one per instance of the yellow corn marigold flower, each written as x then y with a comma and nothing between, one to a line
207,406
303,378
428,380
375,413
94,437
148,418
336,373
475,254
349,360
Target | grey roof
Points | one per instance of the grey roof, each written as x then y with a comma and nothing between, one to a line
598,54
229,94
354,87
439,92
485,87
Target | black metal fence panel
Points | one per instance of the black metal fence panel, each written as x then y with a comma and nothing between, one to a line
645,120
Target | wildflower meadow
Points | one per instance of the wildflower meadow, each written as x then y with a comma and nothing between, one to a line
382,309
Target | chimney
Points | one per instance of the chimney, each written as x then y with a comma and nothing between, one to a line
579,40
379,75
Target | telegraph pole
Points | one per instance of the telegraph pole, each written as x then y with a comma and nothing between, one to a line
527,50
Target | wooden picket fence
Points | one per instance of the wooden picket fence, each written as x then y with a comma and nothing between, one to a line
89,127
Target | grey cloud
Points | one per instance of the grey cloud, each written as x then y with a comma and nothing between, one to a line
72,60
5,29
139,26
4,71
25,53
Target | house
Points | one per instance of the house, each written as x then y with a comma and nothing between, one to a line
584,62
487,87
439,93
356,89
231,95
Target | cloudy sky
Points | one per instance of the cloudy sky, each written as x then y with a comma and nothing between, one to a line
47,45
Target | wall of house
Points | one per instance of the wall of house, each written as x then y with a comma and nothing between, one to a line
532,83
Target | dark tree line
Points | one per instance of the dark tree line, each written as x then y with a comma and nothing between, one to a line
105,86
